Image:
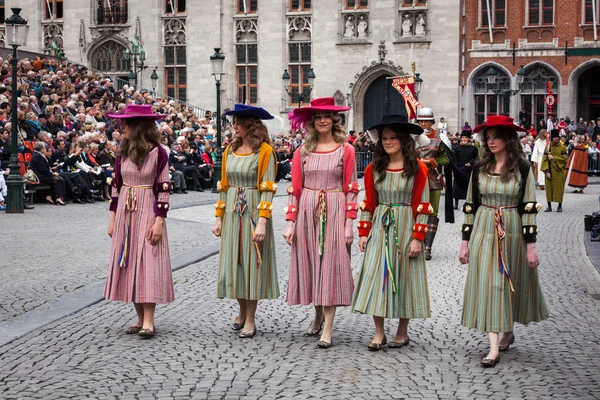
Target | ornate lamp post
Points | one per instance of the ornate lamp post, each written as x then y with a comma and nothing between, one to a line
138,53
286,85
154,79
217,60
16,35
418,84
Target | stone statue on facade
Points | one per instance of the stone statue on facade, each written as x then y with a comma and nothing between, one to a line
349,32
362,27
406,26
420,28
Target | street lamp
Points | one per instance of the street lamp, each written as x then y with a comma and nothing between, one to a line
131,78
137,53
491,75
418,84
521,76
154,79
16,35
217,60
310,77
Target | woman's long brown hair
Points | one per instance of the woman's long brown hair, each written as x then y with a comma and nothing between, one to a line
381,159
514,154
256,134
143,134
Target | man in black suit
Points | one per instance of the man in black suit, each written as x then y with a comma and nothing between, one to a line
179,160
39,165
4,145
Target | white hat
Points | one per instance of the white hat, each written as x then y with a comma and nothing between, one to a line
425,114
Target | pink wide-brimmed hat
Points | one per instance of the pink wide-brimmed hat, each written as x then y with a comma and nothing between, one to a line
137,111
301,115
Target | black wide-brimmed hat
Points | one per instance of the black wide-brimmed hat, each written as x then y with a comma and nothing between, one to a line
466,134
554,133
398,122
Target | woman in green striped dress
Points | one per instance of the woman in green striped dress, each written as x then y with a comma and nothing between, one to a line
247,268
499,237
393,279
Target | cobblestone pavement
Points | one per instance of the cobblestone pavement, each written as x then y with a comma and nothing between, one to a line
196,355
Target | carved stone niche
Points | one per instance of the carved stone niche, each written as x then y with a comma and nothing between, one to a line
356,26
300,28
413,26
246,30
53,33
174,31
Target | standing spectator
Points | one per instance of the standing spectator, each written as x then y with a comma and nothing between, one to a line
580,127
550,123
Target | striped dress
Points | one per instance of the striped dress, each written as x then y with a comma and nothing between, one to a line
147,278
321,280
489,304
240,274
374,294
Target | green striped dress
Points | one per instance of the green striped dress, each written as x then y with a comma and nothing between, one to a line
240,275
489,304
374,294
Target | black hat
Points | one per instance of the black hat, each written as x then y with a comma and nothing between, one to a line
554,133
466,133
398,121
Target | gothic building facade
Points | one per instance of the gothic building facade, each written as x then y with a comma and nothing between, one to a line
351,46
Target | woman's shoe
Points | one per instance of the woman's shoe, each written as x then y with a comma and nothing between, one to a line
323,344
133,330
397,345
490,362
238,325
247,335
50,201
314,332
146,333
377,346
60,203
511,341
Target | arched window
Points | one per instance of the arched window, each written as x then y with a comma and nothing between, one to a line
110,58
533,94
487,101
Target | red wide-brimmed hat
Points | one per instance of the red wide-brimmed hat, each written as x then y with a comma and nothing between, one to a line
301,115
136,111
499,121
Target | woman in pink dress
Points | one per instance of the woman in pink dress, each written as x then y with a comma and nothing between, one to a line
140,265
320,213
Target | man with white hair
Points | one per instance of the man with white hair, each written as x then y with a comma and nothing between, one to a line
33,103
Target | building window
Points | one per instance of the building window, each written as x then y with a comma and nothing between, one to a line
533,95
2,12
175,72
497,10
299,5
247,73
110,58
414,3
299,67
486,101
541,12
175,6
589,11
354,4
247,6
110,12
53,9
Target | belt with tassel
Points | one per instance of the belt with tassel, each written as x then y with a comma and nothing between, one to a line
388,220
503,268
130,207
240,207
321,211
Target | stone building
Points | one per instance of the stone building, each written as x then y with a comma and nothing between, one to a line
554,41
351,46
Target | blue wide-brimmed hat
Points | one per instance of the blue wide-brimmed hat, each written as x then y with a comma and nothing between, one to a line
246,111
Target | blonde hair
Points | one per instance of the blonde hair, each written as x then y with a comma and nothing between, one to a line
311,138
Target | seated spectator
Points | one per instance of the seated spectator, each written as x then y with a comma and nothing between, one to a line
40,166
180,162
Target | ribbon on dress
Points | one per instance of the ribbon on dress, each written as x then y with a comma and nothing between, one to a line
500,235
240,207
321,211
130,207
388,220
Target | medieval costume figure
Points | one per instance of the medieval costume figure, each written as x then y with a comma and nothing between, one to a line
393,280
553,166
577,166
466,155
539,148
140,264
247,268
435,156
499,235
322,205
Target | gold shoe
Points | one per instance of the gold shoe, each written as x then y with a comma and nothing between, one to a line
511,341
133,330
397,345
146,333
323,344
315,332
377,346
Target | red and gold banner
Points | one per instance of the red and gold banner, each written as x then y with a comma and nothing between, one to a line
405,85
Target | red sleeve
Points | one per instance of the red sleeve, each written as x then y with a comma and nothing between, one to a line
370,192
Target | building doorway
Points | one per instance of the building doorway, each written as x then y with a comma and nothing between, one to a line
588,94
380,99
